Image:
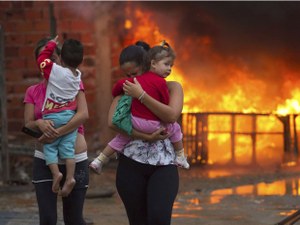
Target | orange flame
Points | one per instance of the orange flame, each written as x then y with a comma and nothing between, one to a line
242,93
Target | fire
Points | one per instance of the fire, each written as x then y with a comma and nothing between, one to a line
239,94
207,90
144,28
128,24
291,106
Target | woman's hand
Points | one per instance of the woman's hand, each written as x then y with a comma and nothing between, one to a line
133,89
45,140
47,128
160,134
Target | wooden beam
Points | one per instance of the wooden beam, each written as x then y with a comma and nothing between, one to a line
4,160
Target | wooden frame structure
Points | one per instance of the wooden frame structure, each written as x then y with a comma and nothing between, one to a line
197,128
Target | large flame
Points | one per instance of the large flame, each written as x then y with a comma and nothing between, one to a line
208,91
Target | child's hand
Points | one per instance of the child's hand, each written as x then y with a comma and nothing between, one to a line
55,39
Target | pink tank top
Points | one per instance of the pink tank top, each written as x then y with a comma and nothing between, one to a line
35,95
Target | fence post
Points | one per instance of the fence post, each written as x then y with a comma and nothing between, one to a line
52,20
4,156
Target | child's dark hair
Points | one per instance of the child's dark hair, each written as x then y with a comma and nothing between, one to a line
41,43
135,53
159,52
72,53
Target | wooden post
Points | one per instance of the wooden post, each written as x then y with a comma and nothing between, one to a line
253,137
204,138
4,156
295,138
52,20
232,134
287,139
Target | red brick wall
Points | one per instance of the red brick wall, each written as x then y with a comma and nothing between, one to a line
24,23
20,35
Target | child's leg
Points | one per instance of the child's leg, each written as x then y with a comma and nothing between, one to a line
66,151
53,149
50,153
178,146
97,164
57,176
106,153
116,144
180,156
70,180
176,139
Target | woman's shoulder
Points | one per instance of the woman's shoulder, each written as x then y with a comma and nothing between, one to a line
36,88
40,85
174,85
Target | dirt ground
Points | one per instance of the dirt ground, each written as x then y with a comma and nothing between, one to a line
207,195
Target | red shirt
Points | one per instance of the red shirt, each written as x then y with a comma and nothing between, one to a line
154,85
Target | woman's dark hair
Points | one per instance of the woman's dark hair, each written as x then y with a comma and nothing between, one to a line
143,44
72,53
41,43
136,53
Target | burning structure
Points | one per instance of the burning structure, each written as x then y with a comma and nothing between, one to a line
237,63
238,72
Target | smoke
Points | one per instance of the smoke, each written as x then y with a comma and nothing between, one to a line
87,10
250,46
221,44
235,27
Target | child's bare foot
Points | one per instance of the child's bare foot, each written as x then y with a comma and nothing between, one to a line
68,187
55,183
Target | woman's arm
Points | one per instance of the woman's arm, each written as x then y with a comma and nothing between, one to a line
45,126
79,118
167,113
157,135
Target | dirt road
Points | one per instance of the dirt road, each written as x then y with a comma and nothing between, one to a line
207,195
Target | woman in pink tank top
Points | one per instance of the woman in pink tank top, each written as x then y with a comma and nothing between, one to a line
42,178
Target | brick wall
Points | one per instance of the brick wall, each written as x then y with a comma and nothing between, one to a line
95,24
